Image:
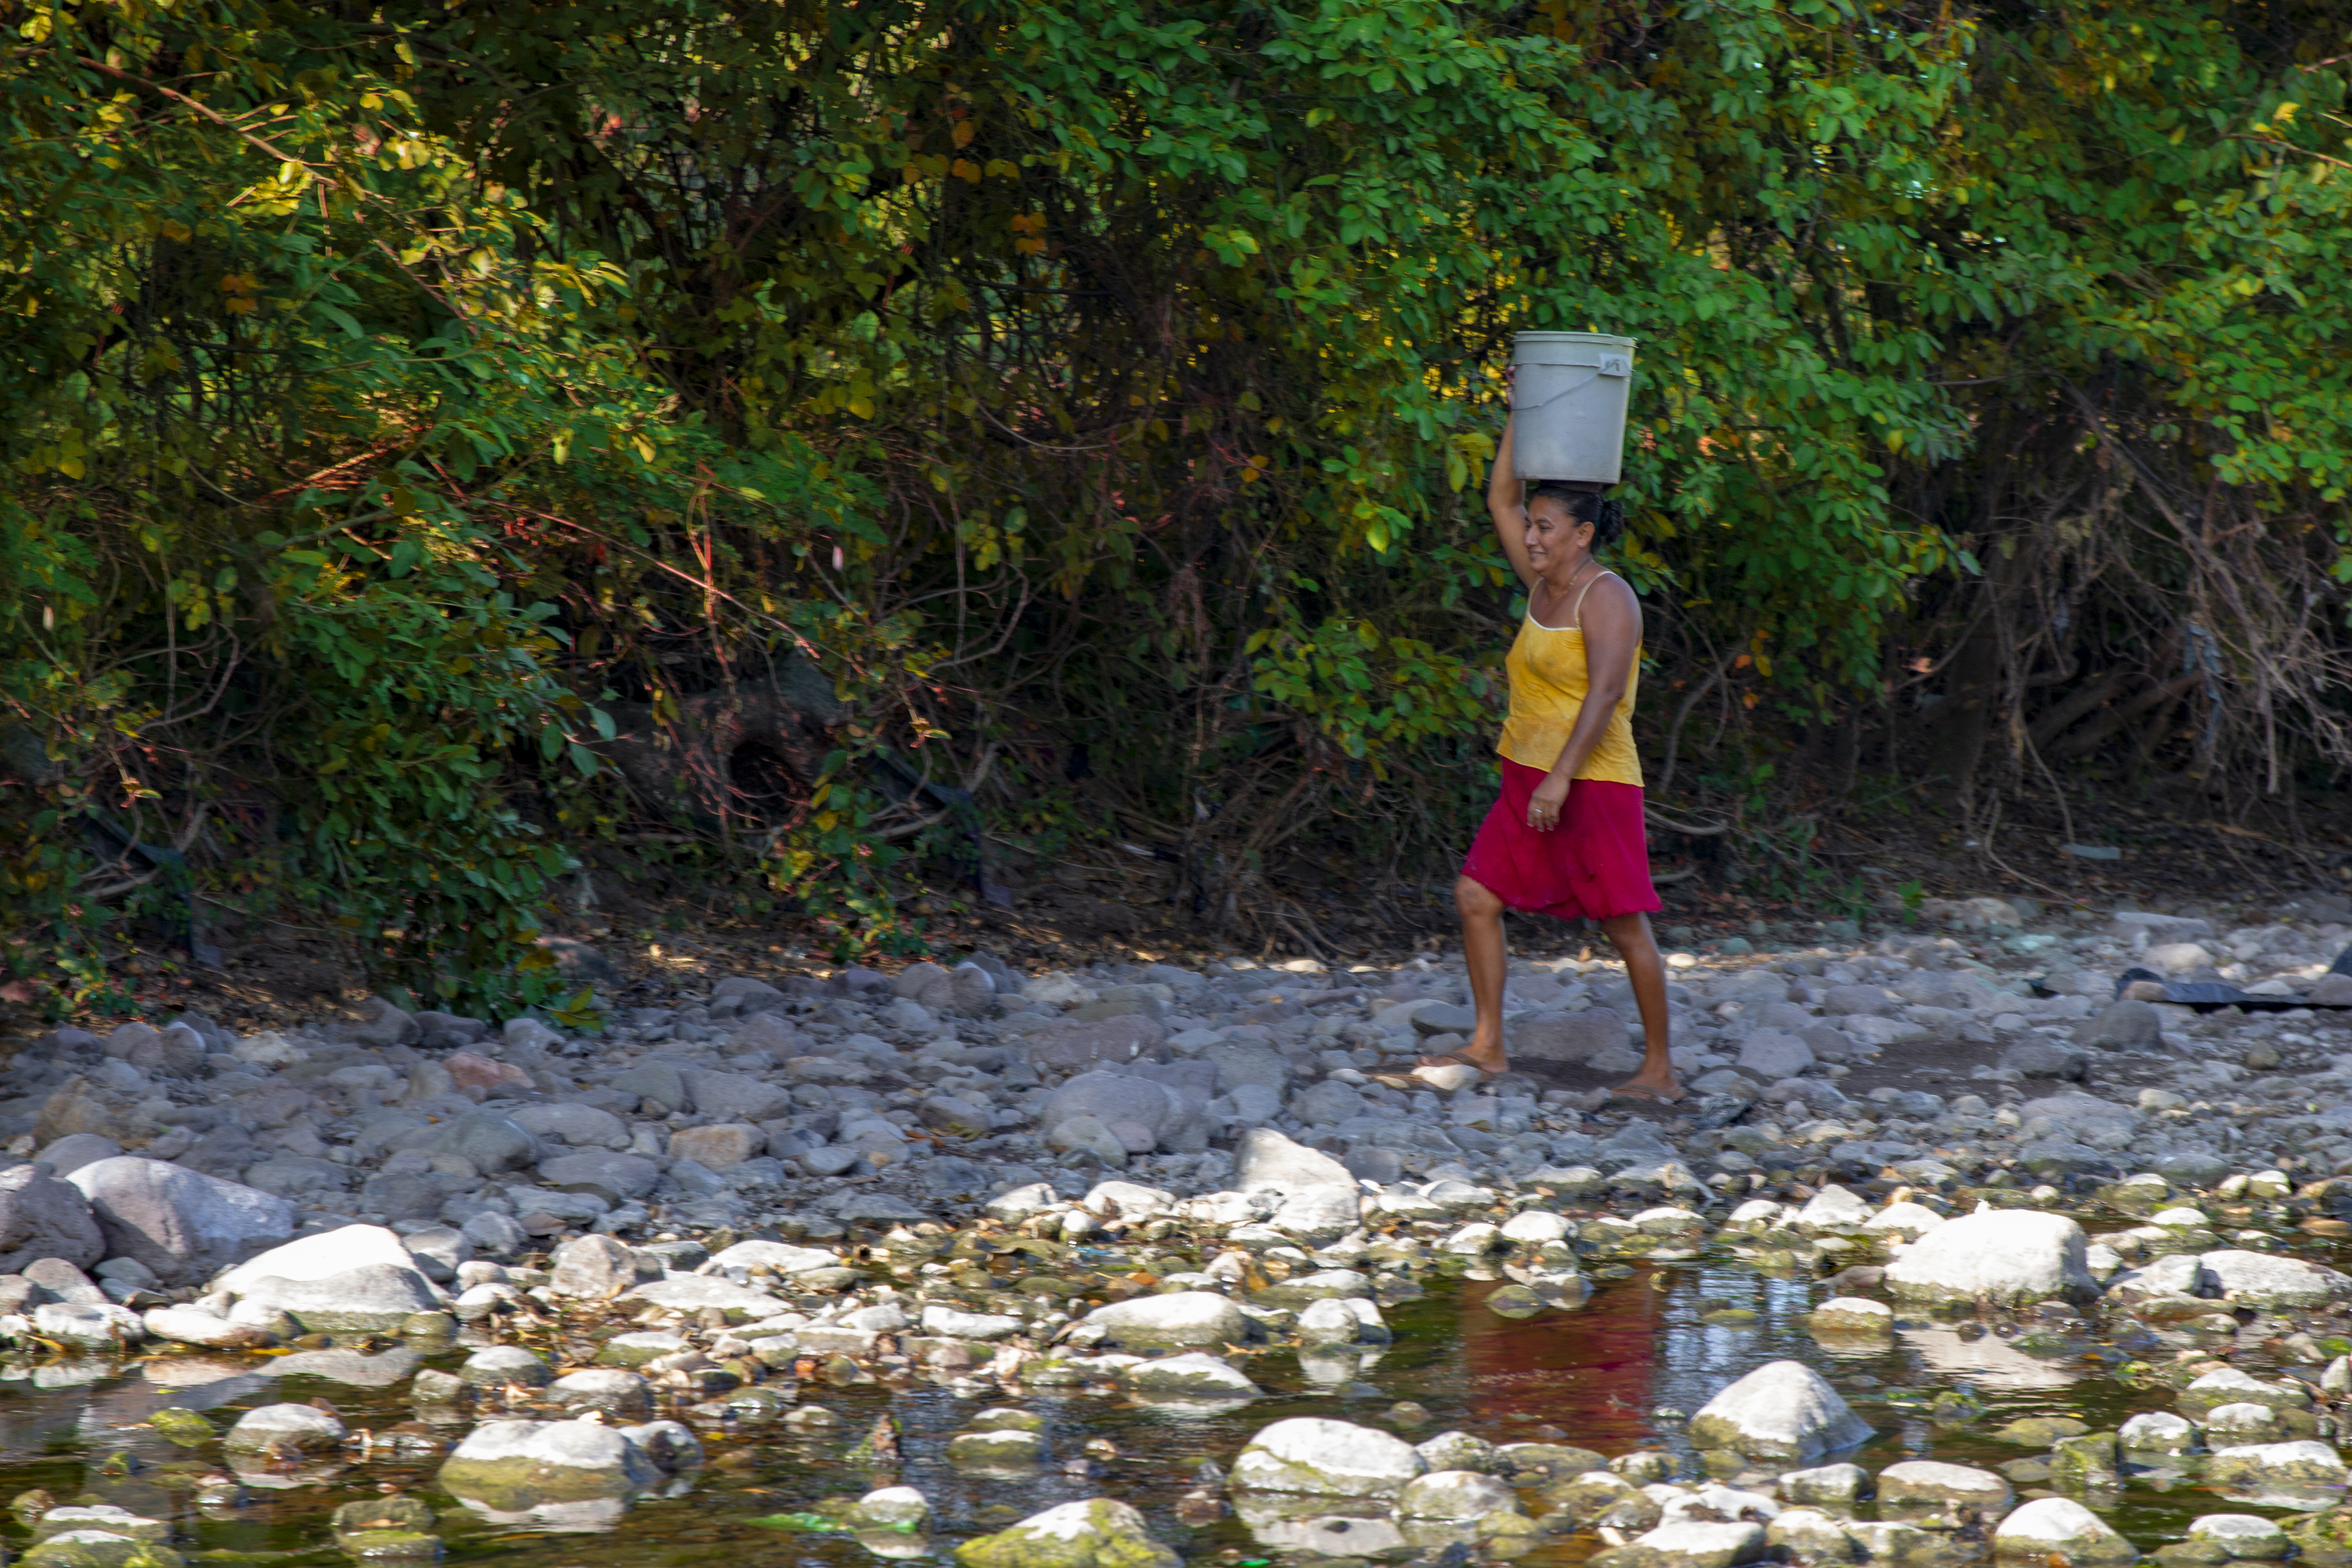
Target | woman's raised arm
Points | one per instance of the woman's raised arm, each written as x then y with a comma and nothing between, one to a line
1506,505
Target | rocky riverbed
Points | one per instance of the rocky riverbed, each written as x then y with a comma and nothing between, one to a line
1952,1256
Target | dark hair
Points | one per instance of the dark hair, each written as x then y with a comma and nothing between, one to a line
1605,513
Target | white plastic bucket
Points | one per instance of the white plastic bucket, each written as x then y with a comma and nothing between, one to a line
1568,391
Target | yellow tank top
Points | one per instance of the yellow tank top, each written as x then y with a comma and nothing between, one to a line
1548,680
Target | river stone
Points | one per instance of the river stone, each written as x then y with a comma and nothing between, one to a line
91,1325
593,1267
195,1326
1181,1318
356,1277
659,1082
274,1426
69,1154
1329,1458
1783,1410
1772,1055
955,1323
1838,1486
1524,1463
44,1217
2260,1279
513,1467
1813,1535
2241,1535
2228,1385
2059,1532
492,1141
691,1293
605,1388
99,1549
900,1508
498,1366
637,1349
183,1226
1852,1315
102,1516
1100,1532
1075,1043
2159,1432
1192,1376
1457,1495
775,1257
1688,1543
613,1176
735,1095
1573,1037
1952,1495
2004,1256
1115,1099
1264,1158
2302,1465
2128,1025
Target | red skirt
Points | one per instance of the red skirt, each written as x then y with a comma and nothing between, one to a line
1595,864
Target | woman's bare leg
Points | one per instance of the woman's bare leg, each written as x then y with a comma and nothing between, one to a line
1647,971
1482,948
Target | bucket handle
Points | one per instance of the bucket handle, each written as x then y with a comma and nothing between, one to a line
1579,384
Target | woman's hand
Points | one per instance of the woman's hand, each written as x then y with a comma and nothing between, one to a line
1543,808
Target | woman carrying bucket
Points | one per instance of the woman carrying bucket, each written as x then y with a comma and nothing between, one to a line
1566,836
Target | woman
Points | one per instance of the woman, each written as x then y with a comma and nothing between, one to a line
1566,837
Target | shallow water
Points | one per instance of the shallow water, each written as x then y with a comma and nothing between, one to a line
1619,1373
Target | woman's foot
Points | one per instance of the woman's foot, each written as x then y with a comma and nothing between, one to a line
1661,1087
1484,1052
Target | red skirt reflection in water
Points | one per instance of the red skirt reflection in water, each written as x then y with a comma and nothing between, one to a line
1587,1371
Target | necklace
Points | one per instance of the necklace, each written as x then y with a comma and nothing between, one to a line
1578,577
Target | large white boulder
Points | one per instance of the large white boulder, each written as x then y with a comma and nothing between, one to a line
356,1278
2061,1534
1329,1458
1177,1319
1782,1410
2003,1256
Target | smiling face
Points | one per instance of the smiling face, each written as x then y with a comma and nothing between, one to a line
1554,538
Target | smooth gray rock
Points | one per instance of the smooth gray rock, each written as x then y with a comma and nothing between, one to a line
579,1126
1568,1037
658,1083
182,1224
736,1097
1076,1043
592,1267
492,1139
1773,1055
43,1216
71,1153
614,1178
2127,1025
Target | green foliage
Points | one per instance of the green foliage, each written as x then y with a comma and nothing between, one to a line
403,400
